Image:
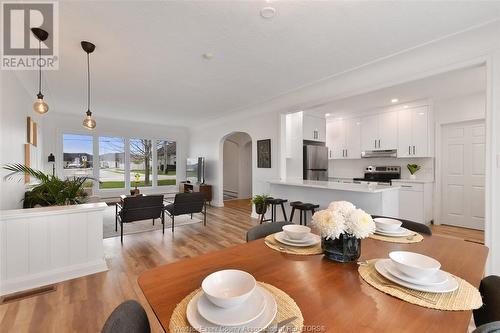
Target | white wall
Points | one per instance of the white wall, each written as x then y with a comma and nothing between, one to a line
463,108
58,124
15,106
245,173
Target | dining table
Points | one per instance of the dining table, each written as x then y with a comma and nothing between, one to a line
331,295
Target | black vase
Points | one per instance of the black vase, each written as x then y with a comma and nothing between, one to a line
346,248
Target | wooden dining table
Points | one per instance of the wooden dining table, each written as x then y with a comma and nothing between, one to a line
332,296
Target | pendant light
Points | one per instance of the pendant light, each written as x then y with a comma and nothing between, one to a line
88,122
40,106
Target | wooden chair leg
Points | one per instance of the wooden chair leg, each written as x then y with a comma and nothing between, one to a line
284,213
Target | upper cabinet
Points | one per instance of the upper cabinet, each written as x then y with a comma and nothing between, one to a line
414,132
344,138
314,128
379,132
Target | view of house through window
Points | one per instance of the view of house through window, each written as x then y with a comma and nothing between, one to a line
141,163
166,162
111,162
78,156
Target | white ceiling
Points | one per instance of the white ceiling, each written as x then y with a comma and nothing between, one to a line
148,63
439,87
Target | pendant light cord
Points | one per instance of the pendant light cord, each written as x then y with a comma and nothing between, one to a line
39,67
88,82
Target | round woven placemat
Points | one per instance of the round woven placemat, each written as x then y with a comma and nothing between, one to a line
288,315
275,245
466,297
403,240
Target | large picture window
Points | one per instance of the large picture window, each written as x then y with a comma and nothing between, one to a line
141,162
111,162
78,157
166,162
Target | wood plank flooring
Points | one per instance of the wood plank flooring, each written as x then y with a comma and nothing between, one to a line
83,304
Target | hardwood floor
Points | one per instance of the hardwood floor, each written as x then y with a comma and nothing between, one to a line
470,235
83,304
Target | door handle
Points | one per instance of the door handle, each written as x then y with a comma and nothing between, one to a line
413,150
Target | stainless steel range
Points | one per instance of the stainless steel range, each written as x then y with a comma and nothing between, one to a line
380,174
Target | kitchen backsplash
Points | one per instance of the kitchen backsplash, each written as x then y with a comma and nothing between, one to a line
356,168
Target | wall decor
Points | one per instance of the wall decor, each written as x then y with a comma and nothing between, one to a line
31,132
31,160
264,153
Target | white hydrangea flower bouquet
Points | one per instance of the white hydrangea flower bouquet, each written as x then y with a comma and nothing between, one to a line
342,217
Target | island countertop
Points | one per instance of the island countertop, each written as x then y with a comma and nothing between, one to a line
336,186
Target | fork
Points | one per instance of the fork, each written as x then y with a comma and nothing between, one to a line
406,291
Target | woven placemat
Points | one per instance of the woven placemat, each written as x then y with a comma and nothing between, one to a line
288,315
414,238
305,251
466,297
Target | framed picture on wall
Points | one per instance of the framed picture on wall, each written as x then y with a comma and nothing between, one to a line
264,153
31,132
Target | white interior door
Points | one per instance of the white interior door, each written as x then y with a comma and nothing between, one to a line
463,168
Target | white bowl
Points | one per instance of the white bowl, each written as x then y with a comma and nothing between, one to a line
414,265
228,288
296,232
385,224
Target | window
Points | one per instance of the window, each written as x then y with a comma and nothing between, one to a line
78,155
111,162
166,162
141,162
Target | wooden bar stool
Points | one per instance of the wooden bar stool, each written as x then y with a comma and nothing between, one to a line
303,207
274,202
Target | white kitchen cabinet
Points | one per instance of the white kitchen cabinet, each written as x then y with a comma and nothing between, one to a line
352,138
335,139
414,132
379,131
314,128
344,139
415,201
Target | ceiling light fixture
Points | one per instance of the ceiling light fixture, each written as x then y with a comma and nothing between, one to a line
208,55
406,106
327,115
88,122
268,12
40,106
394,100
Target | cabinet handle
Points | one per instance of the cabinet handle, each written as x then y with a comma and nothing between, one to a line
407,186
413,150
409,150
330,153
379,143
375,143
346,153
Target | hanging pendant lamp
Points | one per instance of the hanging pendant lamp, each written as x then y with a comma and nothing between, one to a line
88,122
40,106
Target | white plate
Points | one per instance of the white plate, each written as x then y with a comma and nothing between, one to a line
280,237
439,278
242,314
401,232
259,324
307,239
449,286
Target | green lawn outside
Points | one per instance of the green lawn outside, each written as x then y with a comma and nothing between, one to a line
121,184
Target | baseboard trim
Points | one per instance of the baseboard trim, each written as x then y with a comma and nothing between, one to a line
50,277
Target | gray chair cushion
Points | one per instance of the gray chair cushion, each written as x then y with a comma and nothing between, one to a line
128,317
414,226
490,291
264,230
493,327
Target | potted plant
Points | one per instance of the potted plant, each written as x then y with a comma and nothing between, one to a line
413,168
136,191
50,190
260,203
341,228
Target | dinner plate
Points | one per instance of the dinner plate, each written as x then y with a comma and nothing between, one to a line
436,279
242,314
280,237
450,285
306,239
401,232
200,324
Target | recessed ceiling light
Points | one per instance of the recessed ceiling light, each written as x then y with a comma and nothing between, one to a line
208,55
406,106
327,115
268,12
394,100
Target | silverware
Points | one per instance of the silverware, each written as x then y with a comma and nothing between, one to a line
410,237
363,263
402,289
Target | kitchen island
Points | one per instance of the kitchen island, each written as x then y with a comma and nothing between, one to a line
372,198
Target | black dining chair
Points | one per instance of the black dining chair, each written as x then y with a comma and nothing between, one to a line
414,226
490,291
263,230
187,203
128,317
138,208
493,327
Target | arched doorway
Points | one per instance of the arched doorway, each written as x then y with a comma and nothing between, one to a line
236,149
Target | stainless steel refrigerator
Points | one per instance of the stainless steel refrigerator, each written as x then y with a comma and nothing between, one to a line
315,162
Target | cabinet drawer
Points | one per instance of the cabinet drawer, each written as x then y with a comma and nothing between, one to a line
410,186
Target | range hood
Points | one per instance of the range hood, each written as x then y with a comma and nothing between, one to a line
379,153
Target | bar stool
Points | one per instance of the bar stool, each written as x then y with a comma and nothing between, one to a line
303,207
273,202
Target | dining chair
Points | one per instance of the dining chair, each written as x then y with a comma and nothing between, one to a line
128,317
493,327
263,230
410,225
490,291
